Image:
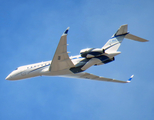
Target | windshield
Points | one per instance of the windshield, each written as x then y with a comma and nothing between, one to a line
16,69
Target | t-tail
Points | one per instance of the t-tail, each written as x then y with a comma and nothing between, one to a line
114,43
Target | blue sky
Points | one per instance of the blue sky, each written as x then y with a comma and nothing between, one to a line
30,32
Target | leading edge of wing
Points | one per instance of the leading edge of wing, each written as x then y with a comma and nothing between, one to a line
89,76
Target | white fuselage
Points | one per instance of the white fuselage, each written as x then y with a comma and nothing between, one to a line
42,68
37,69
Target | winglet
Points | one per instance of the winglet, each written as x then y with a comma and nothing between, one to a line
66,31
129,80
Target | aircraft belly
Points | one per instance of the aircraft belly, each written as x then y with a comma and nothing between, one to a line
57,73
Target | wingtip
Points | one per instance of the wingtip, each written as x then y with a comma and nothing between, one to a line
146,40
129,80
66,31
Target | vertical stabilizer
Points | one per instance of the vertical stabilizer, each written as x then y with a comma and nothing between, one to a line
114,43
122,30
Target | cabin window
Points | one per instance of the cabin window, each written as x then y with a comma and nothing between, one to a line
59,57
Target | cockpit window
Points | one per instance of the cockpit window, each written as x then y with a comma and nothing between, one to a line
16,69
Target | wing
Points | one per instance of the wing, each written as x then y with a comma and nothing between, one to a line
61,59
85,75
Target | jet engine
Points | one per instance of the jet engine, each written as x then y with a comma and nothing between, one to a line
91,52
104,60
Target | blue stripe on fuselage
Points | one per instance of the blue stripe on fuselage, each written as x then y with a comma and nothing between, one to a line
39,68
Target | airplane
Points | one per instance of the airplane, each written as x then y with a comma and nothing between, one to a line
73,67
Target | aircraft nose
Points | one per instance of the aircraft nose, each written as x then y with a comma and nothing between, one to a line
8,77
14,75
11,76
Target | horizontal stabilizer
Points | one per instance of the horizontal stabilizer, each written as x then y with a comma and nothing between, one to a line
133,37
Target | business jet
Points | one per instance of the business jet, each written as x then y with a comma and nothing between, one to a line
64,66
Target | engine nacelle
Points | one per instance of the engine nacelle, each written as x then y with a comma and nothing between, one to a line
104,60
91,52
